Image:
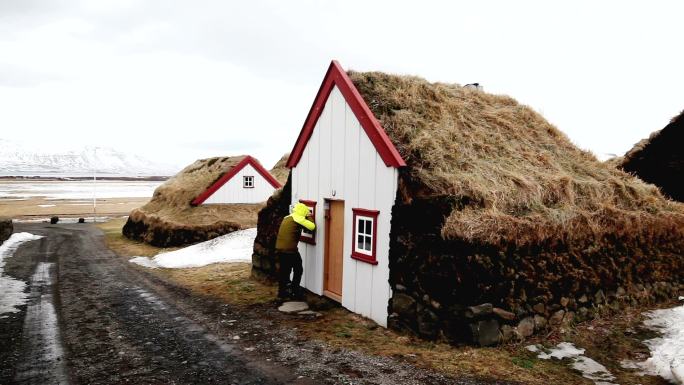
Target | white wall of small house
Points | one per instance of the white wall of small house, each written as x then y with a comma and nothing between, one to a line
340,162
234,192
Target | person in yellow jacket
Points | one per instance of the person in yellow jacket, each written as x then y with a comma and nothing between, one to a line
286,249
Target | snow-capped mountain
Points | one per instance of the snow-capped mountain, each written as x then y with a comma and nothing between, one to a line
17,159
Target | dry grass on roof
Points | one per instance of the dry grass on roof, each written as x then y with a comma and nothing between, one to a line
280,170
171,201
523,179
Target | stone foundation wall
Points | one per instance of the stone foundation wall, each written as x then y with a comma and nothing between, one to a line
264,263
463,292
6,229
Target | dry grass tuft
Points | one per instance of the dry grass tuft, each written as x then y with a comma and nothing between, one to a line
522,179
280,171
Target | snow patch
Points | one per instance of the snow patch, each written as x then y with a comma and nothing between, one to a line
47,205
12,289
589,368
667,351
234,247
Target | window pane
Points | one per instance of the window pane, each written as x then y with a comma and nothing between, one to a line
361,226
368,243
359,242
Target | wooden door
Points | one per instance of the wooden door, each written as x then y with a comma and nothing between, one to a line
334,240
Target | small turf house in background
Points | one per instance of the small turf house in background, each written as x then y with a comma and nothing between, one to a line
246,182
459,214
206,199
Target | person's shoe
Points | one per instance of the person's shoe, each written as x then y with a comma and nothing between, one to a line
298,294
283,295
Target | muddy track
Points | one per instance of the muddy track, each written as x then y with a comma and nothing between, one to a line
94,318
90,319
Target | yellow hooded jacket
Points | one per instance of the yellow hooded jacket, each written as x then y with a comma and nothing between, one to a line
291,228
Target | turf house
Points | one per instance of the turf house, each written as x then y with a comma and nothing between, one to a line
246,182
208,198
460,215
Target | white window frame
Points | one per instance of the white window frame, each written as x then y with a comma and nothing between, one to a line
366,234
248,181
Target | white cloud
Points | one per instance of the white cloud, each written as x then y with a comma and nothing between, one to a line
180,81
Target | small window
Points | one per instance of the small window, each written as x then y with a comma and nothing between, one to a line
308,236
248,181
365,235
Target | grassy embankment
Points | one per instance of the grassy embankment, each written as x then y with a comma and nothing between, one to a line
608,340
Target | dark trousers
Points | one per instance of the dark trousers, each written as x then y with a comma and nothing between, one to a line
289,261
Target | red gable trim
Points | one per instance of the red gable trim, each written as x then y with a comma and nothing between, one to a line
336,76
233,171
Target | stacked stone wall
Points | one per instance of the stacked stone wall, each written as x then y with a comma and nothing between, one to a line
465,292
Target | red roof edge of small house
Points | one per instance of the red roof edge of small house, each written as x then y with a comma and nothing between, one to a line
336,76
231,173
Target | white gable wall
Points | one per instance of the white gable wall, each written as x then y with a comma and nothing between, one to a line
233,192
340,162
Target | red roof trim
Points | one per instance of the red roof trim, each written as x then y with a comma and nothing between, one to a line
336,76
231,173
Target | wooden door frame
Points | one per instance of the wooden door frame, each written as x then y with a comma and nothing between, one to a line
326,245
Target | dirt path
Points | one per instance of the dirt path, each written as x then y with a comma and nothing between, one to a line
94,318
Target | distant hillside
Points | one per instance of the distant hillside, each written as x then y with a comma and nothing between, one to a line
17,159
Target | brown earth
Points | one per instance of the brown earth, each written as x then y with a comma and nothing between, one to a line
74,208
607,339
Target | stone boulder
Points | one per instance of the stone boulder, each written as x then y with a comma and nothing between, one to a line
6,229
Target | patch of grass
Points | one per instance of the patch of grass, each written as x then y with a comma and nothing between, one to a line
342,329
123,246
231,282
523,362
611,339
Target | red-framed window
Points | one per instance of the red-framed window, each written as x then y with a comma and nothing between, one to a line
248,181
364,235
309,236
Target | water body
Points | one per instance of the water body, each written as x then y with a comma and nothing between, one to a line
57,190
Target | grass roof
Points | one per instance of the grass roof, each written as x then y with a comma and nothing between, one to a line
171,200
280,170
521,179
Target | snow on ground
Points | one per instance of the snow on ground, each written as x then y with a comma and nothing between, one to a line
589,368
12,290
667,351
234,247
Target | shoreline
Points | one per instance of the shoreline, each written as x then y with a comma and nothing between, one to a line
23,178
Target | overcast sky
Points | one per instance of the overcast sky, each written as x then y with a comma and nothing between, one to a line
181,80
